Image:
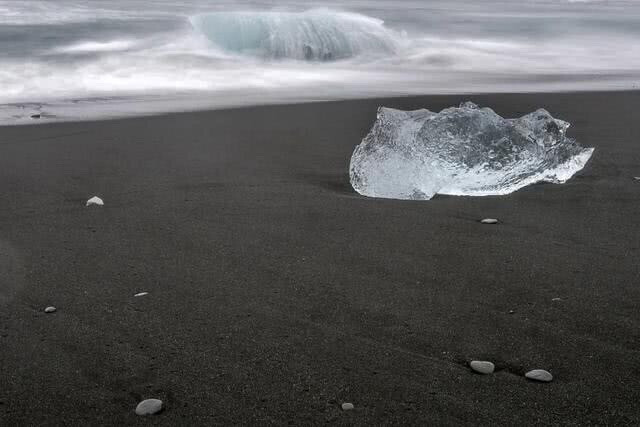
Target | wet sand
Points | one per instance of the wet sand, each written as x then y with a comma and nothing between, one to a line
276,293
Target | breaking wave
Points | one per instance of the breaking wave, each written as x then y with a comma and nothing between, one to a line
315,35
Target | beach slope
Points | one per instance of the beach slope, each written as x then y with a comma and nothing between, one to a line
276,293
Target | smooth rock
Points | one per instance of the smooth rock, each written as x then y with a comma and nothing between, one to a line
347,406
35,116
556,299
95,200
489,221
637,178
141,294
539,375
50,309
149,407
482,367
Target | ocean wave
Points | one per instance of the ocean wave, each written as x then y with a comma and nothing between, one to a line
312,35
233,51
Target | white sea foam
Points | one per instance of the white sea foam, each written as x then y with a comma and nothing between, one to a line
97,46
54,52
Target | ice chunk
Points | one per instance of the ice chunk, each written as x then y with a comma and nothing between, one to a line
466,151
95,200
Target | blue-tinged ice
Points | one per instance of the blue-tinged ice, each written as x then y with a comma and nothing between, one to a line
465,151
315,35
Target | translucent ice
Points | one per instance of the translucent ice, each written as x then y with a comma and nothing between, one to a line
466,151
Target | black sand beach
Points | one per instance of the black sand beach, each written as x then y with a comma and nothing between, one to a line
276,293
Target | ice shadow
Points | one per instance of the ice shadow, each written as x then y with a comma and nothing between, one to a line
335,183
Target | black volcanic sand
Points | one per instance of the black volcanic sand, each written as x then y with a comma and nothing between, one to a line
276,293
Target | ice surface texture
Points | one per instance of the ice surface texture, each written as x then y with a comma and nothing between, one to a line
320,35
465,151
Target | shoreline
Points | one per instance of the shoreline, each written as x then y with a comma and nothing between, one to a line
276,293
20,113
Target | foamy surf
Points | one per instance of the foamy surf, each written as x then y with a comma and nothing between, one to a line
116,57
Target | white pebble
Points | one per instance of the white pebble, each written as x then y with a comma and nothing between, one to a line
556,299
347,406
50,309
149,407
141,294
539,375
489,221
482,367
95,200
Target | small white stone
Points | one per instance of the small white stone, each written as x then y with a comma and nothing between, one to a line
489,221
149,407
637,178
482,367
556,299
347,406
95,200
50,309
141,294
539,375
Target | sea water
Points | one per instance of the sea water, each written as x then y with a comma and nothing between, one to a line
70,59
